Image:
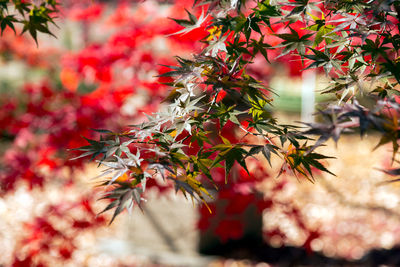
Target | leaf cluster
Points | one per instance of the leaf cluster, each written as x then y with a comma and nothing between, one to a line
353,42
32,17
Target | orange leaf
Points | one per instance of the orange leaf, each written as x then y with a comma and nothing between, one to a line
70,79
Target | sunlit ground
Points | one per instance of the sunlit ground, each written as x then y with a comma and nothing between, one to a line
354,213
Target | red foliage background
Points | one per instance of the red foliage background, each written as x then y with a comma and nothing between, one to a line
108,81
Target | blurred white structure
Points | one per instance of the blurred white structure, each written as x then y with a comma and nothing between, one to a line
308,95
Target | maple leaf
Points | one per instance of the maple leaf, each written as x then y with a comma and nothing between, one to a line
191,24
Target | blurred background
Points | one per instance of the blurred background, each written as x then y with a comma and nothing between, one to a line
101,73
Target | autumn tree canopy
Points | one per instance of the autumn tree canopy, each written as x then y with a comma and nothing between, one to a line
355,43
